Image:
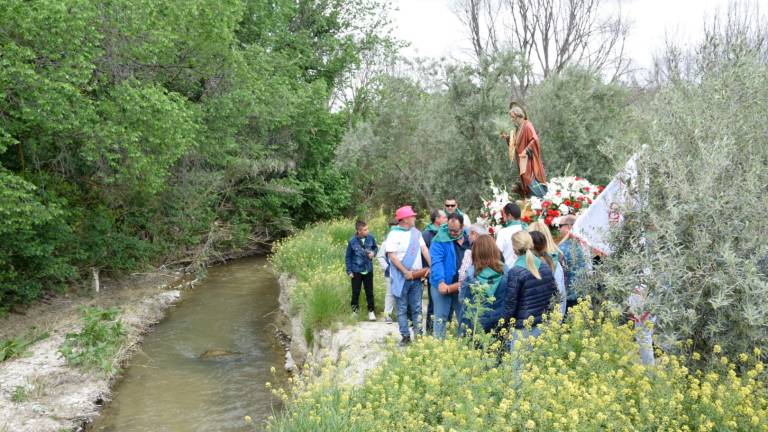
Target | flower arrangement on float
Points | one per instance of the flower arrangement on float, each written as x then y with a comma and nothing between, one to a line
565,195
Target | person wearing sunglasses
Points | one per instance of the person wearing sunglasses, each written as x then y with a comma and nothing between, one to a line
451,207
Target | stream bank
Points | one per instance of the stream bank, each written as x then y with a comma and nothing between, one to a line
60,397
357,348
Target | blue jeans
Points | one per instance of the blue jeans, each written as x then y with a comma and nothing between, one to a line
445,308
409,307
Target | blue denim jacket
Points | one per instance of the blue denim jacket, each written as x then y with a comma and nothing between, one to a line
356,259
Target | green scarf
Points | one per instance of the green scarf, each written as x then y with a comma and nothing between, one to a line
457,211
431,227
521,262
516,222
490,277
443,236
555,261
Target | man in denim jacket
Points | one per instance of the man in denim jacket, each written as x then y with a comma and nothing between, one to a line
359,265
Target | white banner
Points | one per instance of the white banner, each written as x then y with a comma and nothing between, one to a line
593,227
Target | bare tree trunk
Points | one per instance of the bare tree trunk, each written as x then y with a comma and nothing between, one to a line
96,282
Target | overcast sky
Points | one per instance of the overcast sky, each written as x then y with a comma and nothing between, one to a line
434,31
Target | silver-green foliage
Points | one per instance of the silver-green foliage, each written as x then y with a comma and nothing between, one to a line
432,134
704,222
576,116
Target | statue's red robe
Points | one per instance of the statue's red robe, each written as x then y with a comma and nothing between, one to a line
527,139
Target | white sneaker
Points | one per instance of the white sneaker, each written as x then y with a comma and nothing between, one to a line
371,316
388,319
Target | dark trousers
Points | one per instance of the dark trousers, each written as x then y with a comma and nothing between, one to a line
430,310
365,280
568,305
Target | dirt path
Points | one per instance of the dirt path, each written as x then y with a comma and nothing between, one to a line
56,396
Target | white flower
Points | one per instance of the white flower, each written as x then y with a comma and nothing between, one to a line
563,209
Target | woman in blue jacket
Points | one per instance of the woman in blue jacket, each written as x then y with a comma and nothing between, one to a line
530,287
489,271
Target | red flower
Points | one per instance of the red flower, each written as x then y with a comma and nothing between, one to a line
546,204
490,230
558,193
586,189
526,219
581,198
548,220
568,202
589,201
553,213
577,205
538,212
600,189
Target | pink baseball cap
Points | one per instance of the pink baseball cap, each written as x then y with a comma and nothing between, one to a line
404,212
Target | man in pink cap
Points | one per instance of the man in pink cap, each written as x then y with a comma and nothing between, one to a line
405,247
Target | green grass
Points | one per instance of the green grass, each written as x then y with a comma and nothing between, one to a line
15,347
19,394
97,342
315,257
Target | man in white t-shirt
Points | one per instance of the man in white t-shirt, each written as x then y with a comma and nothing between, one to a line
389,299
405,247
512,225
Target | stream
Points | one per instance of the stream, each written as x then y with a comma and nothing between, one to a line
168,387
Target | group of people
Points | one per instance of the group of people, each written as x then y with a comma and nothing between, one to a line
522,270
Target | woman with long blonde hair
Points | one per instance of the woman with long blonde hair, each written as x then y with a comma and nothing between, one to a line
555,262
530,287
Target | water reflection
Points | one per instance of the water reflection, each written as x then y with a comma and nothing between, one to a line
168,387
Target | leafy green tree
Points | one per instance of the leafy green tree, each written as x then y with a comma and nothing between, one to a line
171,130
32,237
432,135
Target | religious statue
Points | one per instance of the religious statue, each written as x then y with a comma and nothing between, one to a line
525,153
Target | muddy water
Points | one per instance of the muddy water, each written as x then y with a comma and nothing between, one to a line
168,387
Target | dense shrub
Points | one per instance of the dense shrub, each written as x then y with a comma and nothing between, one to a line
697,242
169,131
33,232
583,375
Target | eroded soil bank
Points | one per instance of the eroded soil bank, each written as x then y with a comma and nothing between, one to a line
356,348
58,397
